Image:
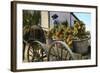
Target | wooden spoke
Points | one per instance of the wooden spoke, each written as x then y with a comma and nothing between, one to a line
60,51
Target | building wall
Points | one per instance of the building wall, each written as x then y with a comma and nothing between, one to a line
44,20
62,16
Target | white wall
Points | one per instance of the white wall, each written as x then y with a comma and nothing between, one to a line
5,37
44,19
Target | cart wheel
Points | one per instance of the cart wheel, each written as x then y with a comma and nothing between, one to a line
36,52
59,51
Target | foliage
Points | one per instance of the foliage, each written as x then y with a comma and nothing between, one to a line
31,17
80,30
65,23
68,34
